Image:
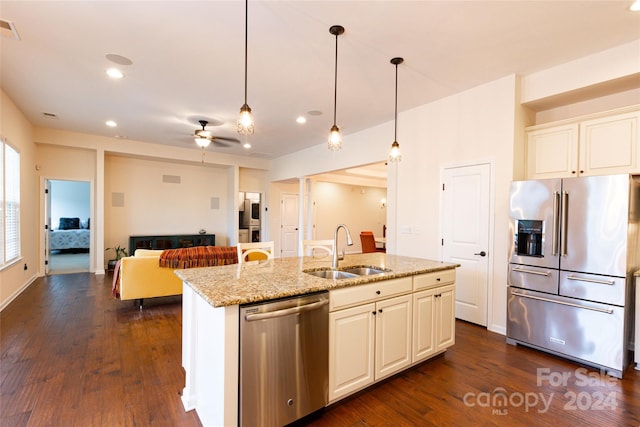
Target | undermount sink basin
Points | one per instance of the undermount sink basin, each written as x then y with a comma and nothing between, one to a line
364,271
332,274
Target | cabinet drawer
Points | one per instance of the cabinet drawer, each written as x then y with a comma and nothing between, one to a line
437,278
345,297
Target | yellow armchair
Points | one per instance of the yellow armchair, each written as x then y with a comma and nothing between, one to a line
142,277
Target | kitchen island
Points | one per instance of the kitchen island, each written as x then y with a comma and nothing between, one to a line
211,306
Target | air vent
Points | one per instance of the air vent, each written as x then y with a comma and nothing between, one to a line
8,30
171,179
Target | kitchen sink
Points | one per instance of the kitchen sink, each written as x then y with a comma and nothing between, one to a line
347,273
332,274
365,271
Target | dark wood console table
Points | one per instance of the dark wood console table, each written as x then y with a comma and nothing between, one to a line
170,241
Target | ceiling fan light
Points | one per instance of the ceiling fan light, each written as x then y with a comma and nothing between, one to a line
202,142
245,121
335,139
394,153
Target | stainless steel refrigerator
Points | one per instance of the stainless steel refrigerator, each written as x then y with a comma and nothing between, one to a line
575,249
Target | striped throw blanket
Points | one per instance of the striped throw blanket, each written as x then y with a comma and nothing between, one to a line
199,256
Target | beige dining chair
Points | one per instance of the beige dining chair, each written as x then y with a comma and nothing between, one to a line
317,248
255,251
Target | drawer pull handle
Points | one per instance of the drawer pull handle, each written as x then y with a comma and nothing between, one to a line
601,310
539,273
585,279
378,292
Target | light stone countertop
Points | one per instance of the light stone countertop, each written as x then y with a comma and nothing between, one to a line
282,277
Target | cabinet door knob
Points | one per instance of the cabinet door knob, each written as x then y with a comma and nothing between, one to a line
573,171
377,292
373,312
379,310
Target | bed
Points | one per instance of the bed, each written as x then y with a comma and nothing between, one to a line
70,234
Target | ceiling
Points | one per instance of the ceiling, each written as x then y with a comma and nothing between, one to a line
188,61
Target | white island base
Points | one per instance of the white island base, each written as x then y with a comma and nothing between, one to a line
210,339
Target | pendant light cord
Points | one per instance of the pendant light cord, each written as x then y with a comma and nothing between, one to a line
395,130
246,44
335,86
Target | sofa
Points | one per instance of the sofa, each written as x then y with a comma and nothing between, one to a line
140,276
150,273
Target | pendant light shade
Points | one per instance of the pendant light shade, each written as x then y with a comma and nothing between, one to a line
335,139
394,153
245,119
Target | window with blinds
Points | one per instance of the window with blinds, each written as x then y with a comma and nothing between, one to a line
9,203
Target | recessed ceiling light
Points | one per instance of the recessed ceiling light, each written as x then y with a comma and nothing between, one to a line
114,73
111,123
50,115
246,145
301,119
314,113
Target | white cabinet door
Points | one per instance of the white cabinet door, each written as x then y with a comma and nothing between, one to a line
393,335
609,145
552,152
445,325
351,349
434,327
424,319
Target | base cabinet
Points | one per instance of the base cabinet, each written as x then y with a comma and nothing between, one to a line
393,335
433,321
351,341
379,329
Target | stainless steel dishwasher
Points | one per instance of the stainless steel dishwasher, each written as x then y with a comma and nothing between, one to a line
284,362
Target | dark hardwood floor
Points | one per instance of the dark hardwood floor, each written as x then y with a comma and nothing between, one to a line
70,355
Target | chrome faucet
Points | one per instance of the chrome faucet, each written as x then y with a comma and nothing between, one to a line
334,261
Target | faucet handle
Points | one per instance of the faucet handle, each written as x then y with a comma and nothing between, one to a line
341,257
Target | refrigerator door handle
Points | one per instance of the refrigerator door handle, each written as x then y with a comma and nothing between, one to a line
601,310
585,279
556,223
565,223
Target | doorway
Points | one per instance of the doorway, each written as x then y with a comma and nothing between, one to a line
466,231
289,224
67,226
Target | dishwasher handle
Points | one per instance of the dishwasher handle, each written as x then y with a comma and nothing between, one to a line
285,311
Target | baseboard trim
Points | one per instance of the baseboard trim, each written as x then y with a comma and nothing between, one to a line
17,292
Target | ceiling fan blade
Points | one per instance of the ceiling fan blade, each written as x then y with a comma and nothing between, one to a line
220,144
225,138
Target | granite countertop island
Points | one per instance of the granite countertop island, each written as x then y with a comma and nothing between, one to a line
211,304
257,281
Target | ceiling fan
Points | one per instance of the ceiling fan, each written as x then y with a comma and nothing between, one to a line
204,137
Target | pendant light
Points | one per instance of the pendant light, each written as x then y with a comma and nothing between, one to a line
245,119
335,139
394,153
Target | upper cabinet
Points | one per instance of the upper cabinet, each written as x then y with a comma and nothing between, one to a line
591,146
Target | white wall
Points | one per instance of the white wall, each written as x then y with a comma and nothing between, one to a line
154,207
472,126
17,131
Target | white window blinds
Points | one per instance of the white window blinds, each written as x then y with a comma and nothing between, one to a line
10,204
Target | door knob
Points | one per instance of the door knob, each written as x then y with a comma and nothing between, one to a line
481,253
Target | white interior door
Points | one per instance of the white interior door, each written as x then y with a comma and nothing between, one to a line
289,225
465,224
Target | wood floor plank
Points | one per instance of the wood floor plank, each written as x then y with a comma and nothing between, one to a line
70,355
